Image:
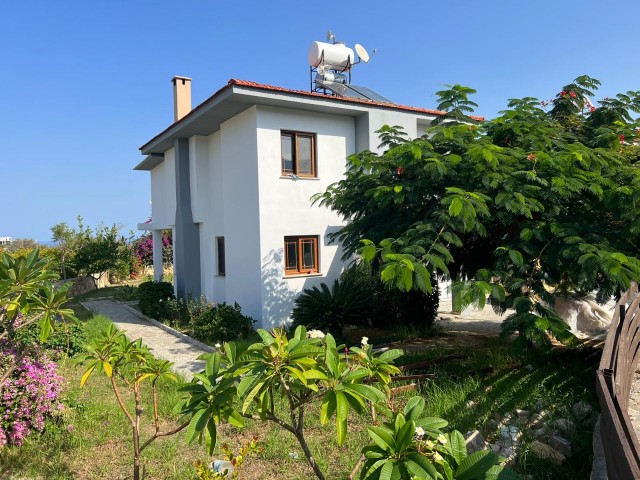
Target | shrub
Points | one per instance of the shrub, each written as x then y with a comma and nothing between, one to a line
68,340
360,298
182,312
29,395
126,293
347,302
221,322
152,295
414,308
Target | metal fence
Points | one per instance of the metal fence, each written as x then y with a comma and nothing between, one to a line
614,377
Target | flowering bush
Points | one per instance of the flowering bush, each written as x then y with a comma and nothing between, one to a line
143,249
28,396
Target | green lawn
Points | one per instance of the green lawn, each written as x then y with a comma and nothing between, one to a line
91,439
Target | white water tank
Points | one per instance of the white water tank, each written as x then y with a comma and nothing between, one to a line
335,55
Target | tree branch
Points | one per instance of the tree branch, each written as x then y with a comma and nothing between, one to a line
120,402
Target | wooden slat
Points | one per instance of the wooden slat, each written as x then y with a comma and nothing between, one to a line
613,385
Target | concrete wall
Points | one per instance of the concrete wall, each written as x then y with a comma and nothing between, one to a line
211,215
163,191
380,118
240,212
285,206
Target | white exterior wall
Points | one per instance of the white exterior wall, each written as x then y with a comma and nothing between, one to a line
380,118
210,203
240,213
163,192
199,160
285,206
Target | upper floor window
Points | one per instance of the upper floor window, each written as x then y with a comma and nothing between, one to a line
301,255
298,154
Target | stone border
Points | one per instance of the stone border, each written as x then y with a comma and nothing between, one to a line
166,328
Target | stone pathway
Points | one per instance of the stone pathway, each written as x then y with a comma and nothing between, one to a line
484,321
161,343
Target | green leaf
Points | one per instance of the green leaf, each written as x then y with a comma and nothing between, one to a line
328,407
267,338
405,435
197,424
455,207
476,465
382,438
420,465
458,446
342,413
366,391
211,436
386,471
414,407
516,257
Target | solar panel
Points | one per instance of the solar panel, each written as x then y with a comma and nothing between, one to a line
352,91
358,91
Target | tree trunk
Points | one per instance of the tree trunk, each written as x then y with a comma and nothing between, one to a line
136,434
299,434
307,453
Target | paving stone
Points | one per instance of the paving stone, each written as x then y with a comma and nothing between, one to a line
161,343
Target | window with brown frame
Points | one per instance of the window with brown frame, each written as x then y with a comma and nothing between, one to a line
220,256
301,255
298,154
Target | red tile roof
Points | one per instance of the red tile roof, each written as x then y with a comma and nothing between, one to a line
246,83
272,88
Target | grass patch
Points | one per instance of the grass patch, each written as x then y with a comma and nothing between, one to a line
91,438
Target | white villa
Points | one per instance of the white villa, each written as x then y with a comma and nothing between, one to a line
233,178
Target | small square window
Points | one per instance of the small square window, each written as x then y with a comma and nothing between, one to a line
298,154
301,255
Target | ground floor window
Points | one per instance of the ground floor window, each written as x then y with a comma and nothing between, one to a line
220,256
301,255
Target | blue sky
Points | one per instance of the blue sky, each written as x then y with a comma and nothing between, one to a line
84,84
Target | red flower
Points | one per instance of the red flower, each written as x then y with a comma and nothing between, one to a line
621,138
563,93
572,94
592,109
531,156
400,170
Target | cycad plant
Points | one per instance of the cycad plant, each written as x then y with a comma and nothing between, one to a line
329,309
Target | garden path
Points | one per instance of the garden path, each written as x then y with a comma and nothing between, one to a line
479,321
165,345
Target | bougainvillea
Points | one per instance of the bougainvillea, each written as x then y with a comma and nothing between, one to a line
29,396
143,249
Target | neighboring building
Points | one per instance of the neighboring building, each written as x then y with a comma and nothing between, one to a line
5,241
233,178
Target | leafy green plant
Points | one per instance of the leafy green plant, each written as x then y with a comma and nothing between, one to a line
330,309
221,322
300,369
28,297
251,447
152,295
127,293
410,447
67,339
128,364
531,205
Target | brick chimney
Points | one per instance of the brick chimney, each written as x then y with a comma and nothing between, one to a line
181,97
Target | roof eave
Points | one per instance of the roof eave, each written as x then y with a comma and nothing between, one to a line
150,162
